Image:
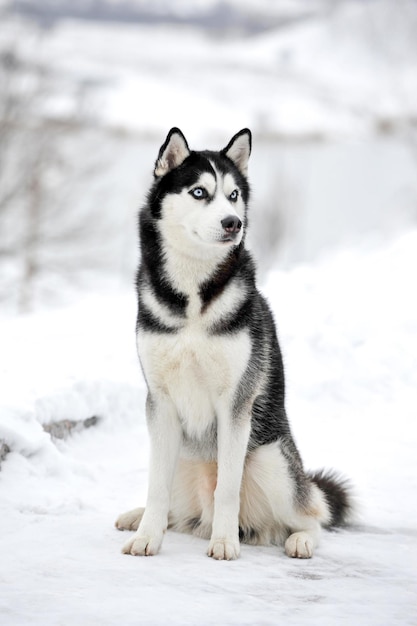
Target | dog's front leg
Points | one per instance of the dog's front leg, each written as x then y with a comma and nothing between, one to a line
165,437
233,435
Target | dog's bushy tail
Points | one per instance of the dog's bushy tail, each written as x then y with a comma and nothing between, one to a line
338,494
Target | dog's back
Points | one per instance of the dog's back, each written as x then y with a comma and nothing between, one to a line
224,464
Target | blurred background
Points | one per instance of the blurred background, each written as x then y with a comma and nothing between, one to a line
89,89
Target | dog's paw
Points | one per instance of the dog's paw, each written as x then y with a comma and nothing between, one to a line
299,545
224,549
143,545
129,520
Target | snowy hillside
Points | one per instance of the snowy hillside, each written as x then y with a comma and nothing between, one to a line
346,71
330,96
348,328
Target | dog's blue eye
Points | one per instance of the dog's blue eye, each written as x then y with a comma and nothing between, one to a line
199,193
234,195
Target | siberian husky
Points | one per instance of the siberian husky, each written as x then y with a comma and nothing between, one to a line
223,465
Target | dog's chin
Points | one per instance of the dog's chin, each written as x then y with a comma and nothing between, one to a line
230,240
220,241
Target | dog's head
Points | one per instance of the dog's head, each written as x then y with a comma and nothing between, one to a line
201,197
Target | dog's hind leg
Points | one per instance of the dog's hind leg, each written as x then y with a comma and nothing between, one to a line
130,520
306,523
276,507
301,544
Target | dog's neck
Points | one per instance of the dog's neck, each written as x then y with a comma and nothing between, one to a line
193,275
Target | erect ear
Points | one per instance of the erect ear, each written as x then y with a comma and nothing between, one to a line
238,149
172,153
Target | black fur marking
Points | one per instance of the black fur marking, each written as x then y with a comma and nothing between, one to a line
194,523
147,321
296,470
235,321
151,270
337,492
238,265
269,421
214,286
248,535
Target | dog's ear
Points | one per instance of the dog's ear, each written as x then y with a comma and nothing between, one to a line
239,148
172,153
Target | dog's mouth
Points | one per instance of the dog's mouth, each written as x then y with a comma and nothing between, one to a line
228,238
234,238
221,239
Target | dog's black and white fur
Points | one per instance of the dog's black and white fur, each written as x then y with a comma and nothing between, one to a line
224,465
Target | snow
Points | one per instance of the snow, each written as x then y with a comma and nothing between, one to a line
348,329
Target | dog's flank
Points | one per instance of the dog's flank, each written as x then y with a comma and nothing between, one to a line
224,465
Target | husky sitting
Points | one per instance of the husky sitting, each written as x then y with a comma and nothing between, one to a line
223,464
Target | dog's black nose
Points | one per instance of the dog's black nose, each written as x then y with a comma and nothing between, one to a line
231,224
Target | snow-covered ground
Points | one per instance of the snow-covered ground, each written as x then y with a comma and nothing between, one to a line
348,328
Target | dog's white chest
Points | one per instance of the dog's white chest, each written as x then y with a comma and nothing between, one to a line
199,372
